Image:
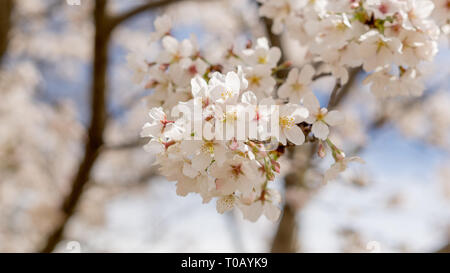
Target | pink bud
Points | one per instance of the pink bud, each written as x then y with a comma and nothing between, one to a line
275,166
321,152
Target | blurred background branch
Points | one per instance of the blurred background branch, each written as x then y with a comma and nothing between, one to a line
104,26
6,10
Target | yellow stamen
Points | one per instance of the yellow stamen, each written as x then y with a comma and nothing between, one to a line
287,122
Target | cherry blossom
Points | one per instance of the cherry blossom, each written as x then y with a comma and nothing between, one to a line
297,84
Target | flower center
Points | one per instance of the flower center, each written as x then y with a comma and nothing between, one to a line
226,94
254,80
236,170
380,44
297,87
287,122
208,147
230,116
322,113
262,60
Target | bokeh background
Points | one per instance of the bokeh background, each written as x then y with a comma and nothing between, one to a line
61,190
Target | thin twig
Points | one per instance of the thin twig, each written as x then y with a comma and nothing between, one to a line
119,19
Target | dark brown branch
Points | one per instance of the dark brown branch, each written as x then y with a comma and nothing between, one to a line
132,144
321,75
285,240
119,19
96,128
444,249
6,10
104,26
341,91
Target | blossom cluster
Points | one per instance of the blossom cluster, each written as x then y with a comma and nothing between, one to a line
219,130
388,38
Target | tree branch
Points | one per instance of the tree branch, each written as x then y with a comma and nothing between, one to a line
6,9
104,26
285,240
96,127
132,144
119,19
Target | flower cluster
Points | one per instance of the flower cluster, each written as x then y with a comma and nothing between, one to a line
220,129
388,38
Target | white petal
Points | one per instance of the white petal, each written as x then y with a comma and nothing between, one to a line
282,138
233,82
334,118
295,135
332,173
252,212
262,43
170,44
157,113
201,161
311,102
320,130
189,171
191,147
300,114
249,98
292,76
225,204
186,48
154,147
306,74
272,212
220,154
151,130
356,159
274,55
284,91
199,86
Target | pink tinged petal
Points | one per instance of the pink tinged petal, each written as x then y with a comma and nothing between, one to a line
249,98
300,114
189,171
332,173
154,147
284,91
201,161
272,212
295,97
157,114
220,154
225,204
295,135
170,44
151,130
356,159
282,138
199,86
186,48
226,186
274,55
292,76
252,212
191,147
233,82
306,74
311,102
320,130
